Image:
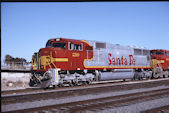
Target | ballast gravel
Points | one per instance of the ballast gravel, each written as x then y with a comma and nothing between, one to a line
136,108
55,101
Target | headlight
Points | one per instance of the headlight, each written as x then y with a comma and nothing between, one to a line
58,39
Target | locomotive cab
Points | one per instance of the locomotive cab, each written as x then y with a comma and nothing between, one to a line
160,63
162,56
67,55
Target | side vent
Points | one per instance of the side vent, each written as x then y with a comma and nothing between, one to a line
100,45
146,52
137,51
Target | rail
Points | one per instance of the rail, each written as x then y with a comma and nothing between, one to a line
88,98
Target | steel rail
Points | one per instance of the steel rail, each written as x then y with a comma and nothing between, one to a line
93,85
101,103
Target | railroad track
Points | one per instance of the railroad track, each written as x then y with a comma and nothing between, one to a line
90,98
106,104
37,89
94,84
163,109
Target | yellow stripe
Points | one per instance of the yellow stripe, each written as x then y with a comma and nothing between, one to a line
59,59
167,59
160,61
86,42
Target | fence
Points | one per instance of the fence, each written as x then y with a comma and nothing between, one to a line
16,66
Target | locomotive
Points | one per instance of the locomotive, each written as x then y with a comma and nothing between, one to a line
75,62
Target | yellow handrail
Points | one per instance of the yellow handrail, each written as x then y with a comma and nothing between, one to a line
34,62
54,64
51,59
49,64
37,60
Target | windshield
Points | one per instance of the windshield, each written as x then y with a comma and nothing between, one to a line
48,44
60,45
157,53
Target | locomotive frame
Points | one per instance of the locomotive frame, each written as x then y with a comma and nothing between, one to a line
74,62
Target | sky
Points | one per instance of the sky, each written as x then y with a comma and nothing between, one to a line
26,26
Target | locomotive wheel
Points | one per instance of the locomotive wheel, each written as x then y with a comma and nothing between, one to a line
70,84
165,74
60,85
155,76
54,86
75,84
88,82
31,82
85,83
148,78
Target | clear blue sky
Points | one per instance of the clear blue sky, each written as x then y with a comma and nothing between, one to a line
27,26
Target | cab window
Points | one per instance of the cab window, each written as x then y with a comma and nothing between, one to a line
59,45
77,47
167,54
159,53
152,53
48,44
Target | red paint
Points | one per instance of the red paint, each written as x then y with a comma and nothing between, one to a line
164,57
132,60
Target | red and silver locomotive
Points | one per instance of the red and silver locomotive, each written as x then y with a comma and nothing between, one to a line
74,62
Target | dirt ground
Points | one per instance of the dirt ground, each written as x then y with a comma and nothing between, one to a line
13,81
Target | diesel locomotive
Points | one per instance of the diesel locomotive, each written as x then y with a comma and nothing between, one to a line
74,62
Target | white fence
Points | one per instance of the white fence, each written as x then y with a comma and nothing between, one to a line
15,66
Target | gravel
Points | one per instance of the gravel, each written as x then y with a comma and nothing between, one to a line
13,81
41,103
138,107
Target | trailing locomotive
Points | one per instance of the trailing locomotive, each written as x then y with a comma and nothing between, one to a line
160,60
74,62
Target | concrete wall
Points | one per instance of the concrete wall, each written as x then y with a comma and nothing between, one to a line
14,80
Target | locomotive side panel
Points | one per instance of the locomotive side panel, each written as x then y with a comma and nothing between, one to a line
112,56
